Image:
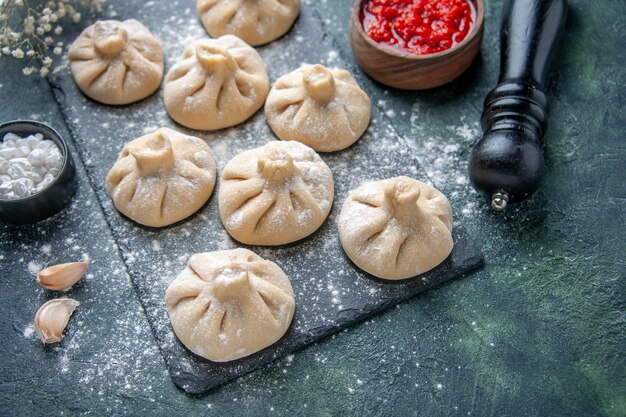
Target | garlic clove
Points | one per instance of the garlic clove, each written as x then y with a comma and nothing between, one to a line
52,317
63,276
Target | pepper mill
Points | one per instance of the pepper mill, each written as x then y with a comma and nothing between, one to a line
507,165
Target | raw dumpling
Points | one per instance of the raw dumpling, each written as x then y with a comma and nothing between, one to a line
229,304
324,109
117,62
217,83
255,21
162,178
275,194
396,228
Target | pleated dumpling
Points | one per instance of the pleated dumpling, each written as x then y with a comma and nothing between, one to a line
275,194
229,304
396,228
117,62
217,83
255,21
162,177
324,109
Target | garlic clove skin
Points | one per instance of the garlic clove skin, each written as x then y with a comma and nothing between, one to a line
52,318
63,276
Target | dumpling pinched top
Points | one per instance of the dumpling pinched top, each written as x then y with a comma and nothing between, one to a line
396,228
255,21
117,62
216,84
275,194
162,177
324,109
229,304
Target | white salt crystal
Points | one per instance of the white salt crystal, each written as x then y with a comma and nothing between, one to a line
5,188
45,145
22,187
7,153
22,163
53,159
10,137
34,176
31,141
22,150
41,170
47,179
16,172
37,157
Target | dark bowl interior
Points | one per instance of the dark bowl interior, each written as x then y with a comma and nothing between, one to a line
56,195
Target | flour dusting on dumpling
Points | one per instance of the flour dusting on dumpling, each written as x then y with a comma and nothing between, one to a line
117,62
217,83
322,108
162,177
255,21
276,194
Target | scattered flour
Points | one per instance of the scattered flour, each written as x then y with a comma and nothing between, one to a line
33,267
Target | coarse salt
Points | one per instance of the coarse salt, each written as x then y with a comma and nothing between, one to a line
27,165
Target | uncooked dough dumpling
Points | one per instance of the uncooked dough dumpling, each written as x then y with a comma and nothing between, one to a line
255,21
396,228
324,109
275,194
162,177
216,84
229,304
117,62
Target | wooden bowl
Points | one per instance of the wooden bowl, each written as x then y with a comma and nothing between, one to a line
399,69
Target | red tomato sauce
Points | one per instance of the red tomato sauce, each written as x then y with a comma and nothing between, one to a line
418,26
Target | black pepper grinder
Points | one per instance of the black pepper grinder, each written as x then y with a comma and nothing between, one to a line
506,165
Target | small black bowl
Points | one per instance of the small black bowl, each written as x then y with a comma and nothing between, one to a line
56,195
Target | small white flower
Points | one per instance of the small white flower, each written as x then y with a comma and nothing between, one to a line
57,51
54,17
48,40
47,61
6,50
29,25
30,53
43,71
40,31
47,11
17,53
76,17
58,30
28,70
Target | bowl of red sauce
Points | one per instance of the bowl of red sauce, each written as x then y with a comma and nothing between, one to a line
416,44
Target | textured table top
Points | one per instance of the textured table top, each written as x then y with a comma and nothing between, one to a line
539,331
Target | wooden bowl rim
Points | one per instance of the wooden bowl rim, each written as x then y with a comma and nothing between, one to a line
476,30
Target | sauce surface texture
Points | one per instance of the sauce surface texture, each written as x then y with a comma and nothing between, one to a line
418,26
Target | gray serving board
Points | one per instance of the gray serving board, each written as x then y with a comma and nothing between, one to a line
331,293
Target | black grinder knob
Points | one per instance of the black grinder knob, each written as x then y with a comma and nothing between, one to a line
506,165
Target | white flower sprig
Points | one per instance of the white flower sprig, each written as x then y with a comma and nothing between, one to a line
28,29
